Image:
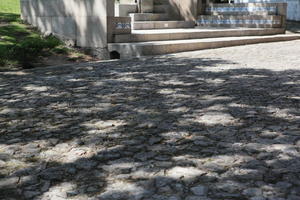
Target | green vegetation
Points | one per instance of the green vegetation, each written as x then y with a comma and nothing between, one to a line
22,45
9,10
10,6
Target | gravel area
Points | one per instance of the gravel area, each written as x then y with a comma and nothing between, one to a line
220,124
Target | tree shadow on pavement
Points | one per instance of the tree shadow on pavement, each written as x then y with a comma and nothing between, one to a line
151,128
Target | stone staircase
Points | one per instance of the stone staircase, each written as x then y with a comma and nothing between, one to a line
155,33
159,18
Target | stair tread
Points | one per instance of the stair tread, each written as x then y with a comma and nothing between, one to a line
193,33
248,16
163,21
147,14
149,17
186,41
196,30
244,13
137,49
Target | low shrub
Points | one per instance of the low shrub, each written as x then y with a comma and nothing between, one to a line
28,51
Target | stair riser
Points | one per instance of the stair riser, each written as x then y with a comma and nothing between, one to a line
148,17
240,25
146,50
243,9
162,25
240,21
241,13
235,11
197,35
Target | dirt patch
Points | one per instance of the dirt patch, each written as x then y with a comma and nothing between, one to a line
64,59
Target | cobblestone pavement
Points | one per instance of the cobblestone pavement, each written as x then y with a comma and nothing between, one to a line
220,124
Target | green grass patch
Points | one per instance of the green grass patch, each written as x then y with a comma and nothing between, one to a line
9,10
9,17
22,45
10,6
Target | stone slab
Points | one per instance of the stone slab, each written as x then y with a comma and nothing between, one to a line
163,25
149,17
165,47
193,33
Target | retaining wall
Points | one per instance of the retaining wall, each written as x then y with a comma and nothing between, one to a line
83,22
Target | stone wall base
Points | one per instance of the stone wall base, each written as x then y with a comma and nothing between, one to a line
100,53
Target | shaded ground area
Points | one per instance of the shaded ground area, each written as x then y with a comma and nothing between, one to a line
23,46
293,26
207,125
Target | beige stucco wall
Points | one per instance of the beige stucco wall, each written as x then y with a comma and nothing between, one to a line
83,21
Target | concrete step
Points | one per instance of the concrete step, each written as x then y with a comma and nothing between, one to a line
193,33
138,49
145,25
251,21
261,13
149,17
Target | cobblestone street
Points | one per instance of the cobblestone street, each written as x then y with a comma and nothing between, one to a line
219,124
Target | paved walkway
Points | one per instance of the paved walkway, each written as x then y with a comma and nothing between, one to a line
220,124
